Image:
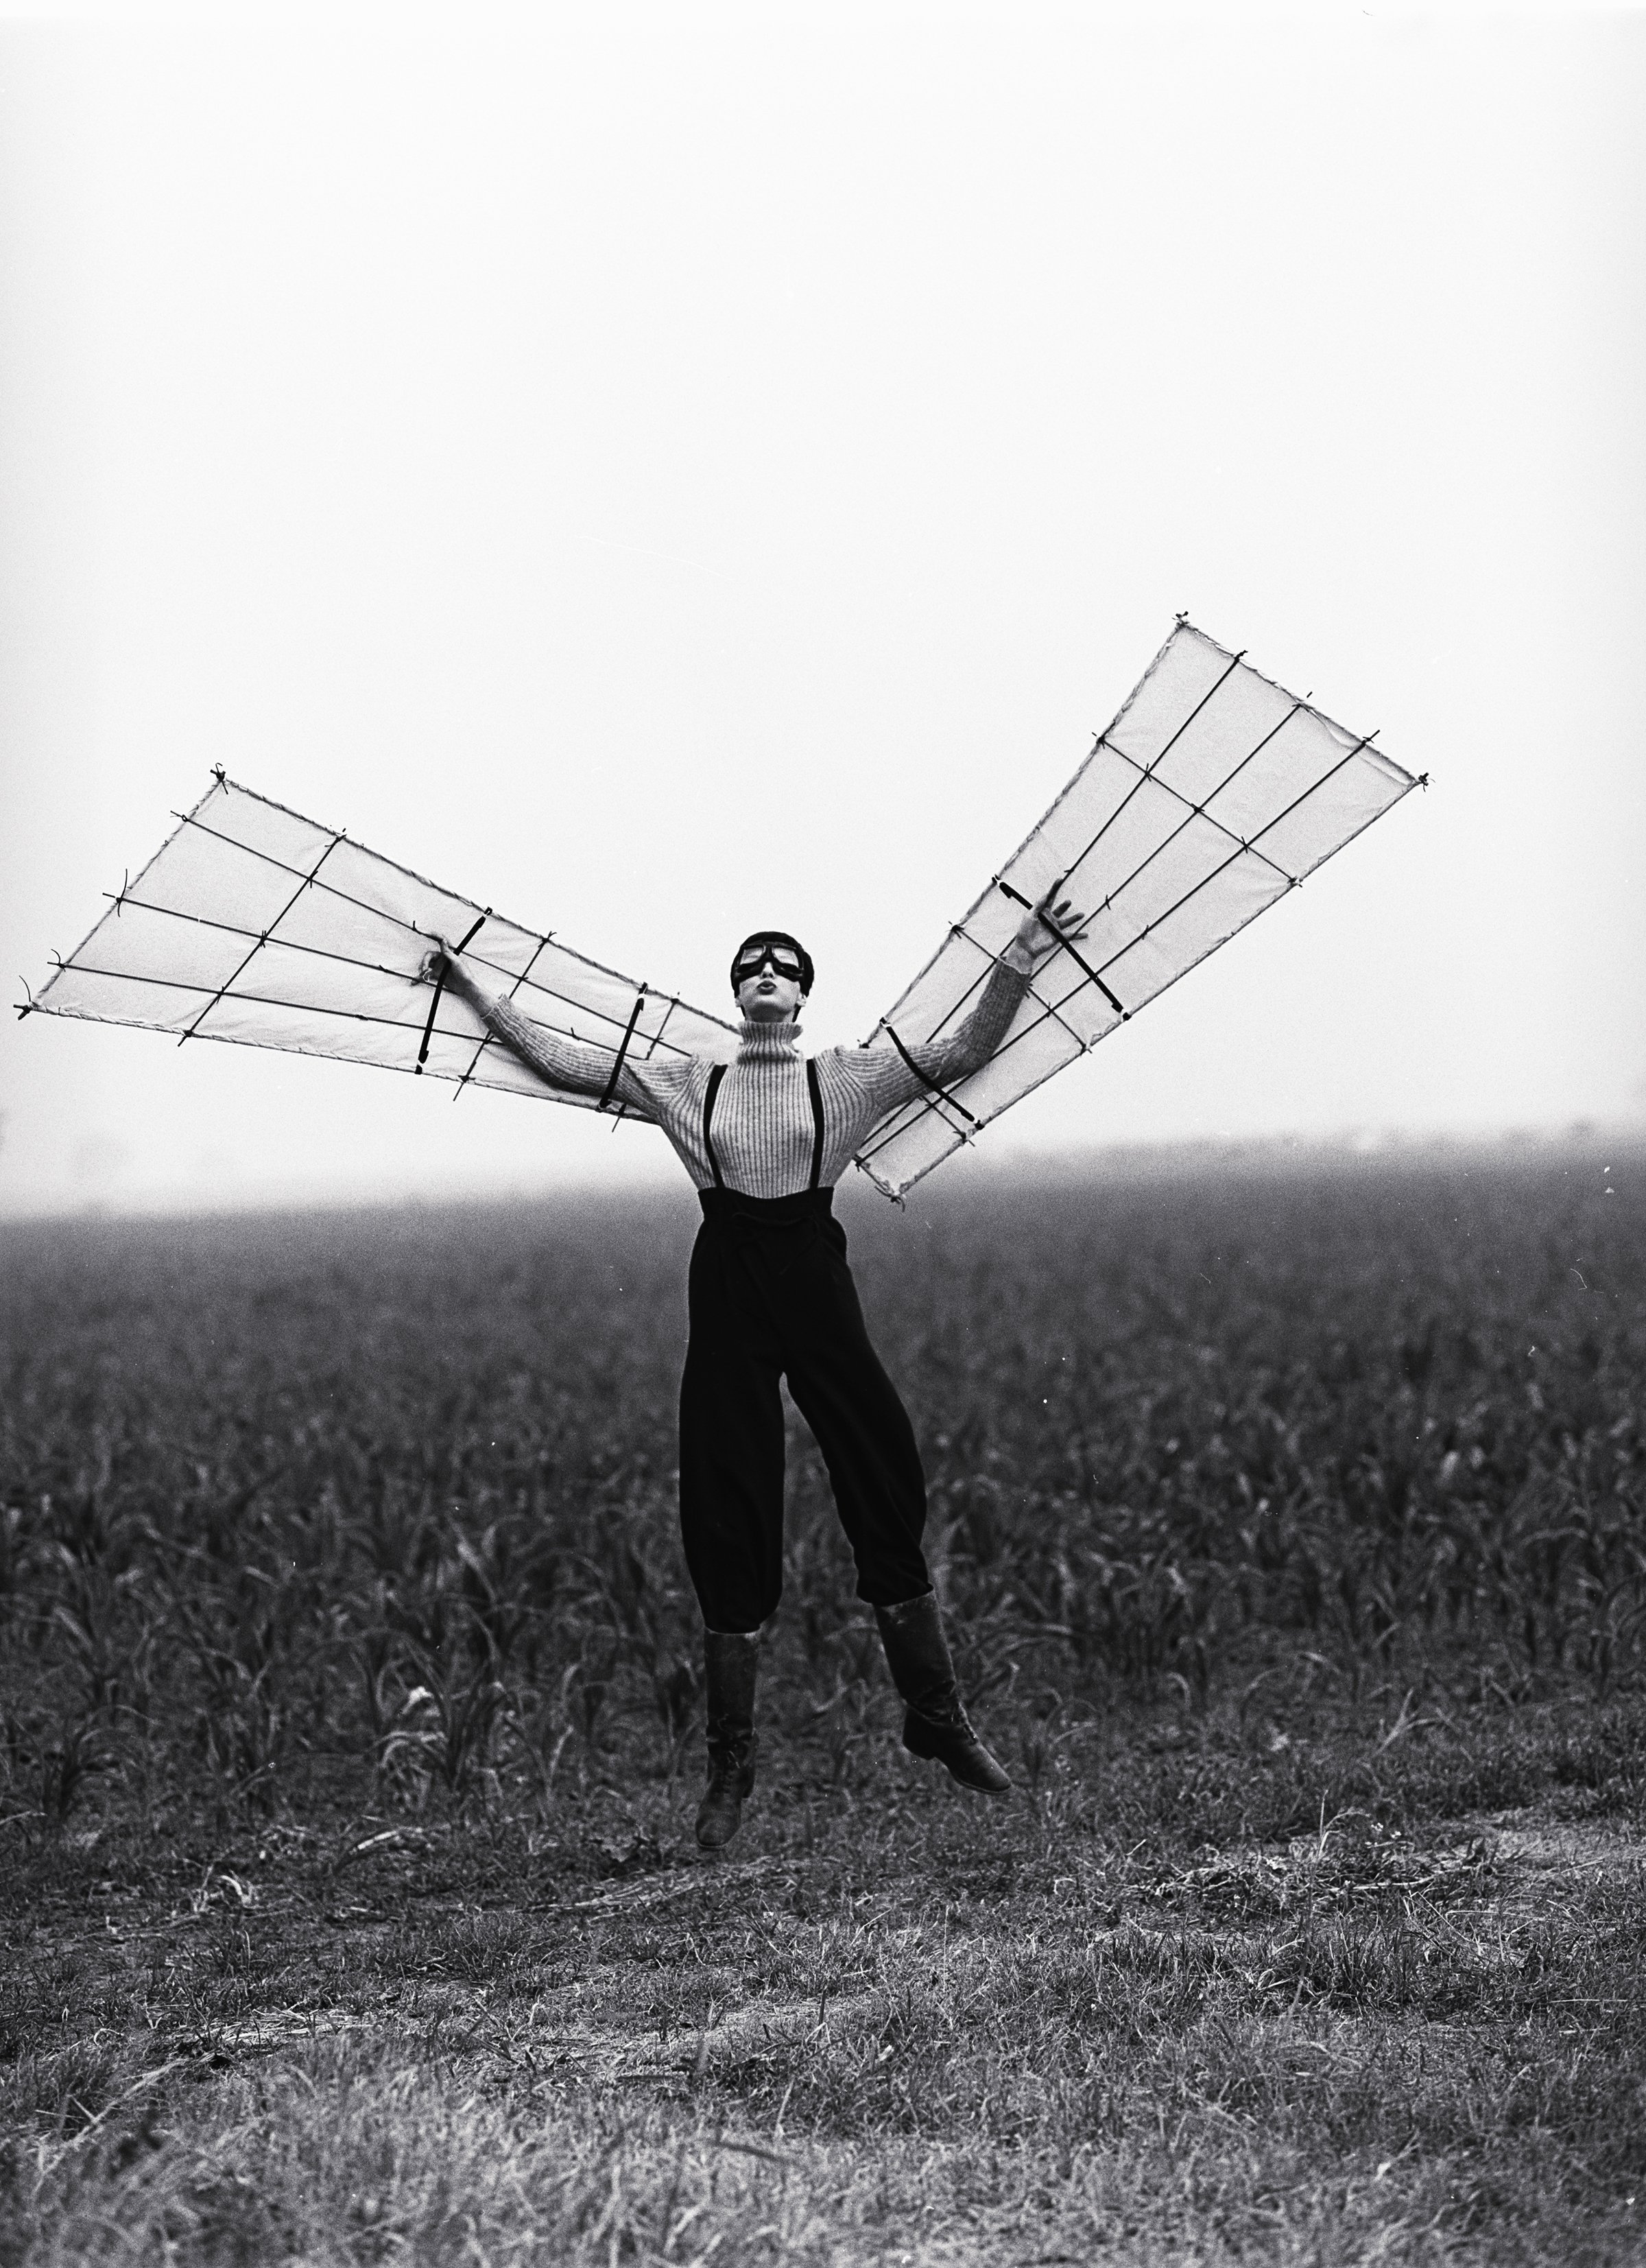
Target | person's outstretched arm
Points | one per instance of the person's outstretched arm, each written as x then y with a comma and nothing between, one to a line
571,1066
973,1041
969,1046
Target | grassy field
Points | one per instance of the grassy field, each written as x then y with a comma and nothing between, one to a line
1294,1527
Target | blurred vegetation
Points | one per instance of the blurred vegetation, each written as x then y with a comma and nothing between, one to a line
383,1506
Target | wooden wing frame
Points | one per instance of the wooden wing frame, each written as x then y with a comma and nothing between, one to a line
255,925
1212,793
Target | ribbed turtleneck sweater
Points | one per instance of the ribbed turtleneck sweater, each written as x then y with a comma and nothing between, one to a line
763,1122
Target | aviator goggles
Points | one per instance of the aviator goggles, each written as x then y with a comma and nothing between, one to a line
777,957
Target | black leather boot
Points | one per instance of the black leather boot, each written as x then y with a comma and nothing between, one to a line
729,1663
937,1725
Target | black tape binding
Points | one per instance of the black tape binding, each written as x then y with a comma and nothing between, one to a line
1079,959
617,1060
468,937
941,1093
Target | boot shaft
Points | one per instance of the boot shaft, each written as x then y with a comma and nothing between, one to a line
936,1726
917,1655
731,1661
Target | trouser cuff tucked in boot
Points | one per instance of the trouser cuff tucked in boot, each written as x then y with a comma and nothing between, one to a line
937,1725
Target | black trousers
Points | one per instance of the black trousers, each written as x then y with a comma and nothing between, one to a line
771,1296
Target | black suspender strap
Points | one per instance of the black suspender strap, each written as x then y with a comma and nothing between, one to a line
715,1078
941,1093
717,1073
815,1092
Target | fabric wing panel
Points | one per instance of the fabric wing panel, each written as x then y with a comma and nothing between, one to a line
1212,794
254,924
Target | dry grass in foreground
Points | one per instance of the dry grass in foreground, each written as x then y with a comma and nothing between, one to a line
891,2026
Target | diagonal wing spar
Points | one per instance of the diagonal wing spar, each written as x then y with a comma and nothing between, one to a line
1212,793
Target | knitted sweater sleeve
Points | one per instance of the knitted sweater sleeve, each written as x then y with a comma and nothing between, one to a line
885,1078
572,1065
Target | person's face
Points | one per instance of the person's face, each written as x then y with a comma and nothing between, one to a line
767,992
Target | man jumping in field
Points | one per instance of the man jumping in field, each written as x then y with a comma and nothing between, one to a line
770,1295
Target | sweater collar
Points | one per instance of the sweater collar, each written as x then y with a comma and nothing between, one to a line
768,1043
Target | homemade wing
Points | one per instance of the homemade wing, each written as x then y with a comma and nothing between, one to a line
1213,794
253,923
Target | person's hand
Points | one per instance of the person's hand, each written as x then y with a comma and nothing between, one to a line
1042,929
438,962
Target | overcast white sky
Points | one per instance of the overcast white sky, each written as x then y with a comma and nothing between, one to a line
663,470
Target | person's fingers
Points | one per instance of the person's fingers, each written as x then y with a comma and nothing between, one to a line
1061,922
